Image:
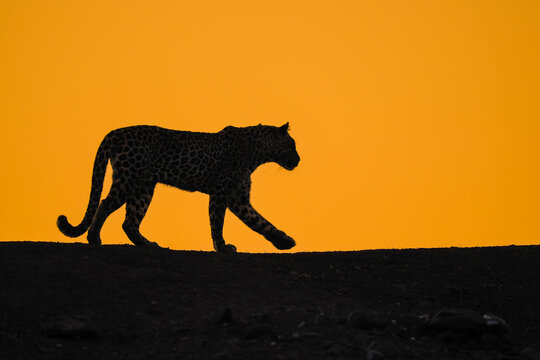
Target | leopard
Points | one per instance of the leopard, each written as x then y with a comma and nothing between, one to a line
219,164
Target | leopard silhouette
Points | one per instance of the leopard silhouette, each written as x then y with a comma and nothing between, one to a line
218,164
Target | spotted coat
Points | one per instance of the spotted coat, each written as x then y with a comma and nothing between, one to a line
219,164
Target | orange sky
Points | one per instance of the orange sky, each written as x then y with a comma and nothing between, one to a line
418,122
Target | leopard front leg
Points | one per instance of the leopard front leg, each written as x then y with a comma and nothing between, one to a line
217,208
240,206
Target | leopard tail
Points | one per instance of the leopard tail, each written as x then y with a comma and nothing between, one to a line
98,175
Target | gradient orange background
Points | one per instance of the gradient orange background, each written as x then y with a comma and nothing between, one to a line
418,122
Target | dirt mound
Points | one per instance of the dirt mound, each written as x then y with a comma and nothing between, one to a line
79,301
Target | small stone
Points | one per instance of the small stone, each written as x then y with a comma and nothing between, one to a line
456,320
495,324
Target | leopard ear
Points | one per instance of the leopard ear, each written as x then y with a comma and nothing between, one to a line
284,128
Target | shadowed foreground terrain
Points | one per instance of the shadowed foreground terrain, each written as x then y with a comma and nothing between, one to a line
75,301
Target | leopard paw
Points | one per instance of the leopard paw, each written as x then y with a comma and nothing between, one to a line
93,239
227,249
281,240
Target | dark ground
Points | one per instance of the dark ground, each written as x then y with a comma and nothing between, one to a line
75,301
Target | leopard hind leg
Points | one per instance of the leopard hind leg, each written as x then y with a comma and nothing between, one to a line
136,208
114,200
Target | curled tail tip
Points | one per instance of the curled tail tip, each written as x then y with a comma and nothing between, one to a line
66,228
63,225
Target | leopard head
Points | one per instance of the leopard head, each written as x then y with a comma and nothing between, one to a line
283,148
